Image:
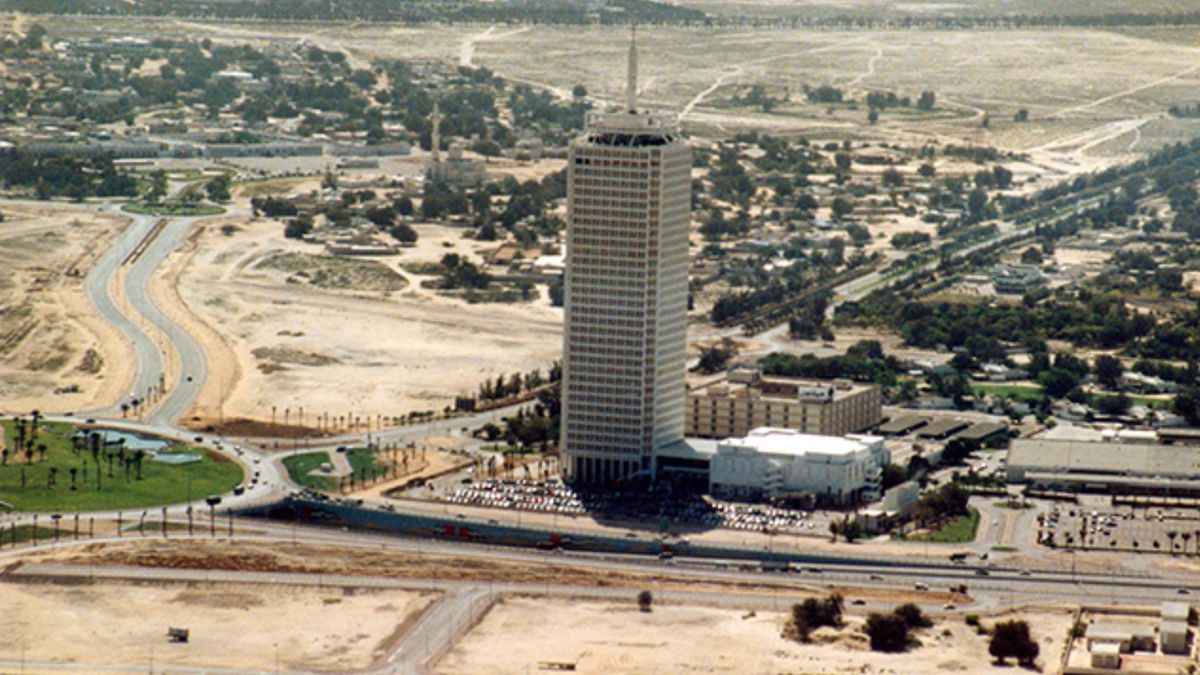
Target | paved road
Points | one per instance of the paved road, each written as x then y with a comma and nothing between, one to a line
147,364
181,395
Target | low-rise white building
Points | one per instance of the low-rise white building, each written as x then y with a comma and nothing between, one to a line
772,462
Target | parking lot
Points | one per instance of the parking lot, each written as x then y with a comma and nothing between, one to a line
1161,530
702,511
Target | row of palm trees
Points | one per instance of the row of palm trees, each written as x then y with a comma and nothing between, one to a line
1184,538
26,440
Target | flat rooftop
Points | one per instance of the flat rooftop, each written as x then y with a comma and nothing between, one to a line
943,428
902,425
982,430
1113,459
780,388
773,441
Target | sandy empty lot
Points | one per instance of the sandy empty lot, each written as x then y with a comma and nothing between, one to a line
519,633
233,625
354,351
50,336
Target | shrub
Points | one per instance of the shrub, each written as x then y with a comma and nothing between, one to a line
1011,639
812,614
913,616
644,600
887,632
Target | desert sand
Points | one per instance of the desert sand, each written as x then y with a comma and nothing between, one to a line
50,335
519,633
231,625
375,346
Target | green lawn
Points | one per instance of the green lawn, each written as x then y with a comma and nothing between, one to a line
299,466
1024,392
1152,403
156,527
143,209
23,533
960,530
160,483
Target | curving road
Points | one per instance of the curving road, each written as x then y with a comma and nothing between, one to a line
148,363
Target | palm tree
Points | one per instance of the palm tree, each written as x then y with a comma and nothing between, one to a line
33,425
1171,534
73,471
41,448
1185,536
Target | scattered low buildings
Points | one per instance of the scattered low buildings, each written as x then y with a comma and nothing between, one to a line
1126,636
1017,279
1146,383
747,399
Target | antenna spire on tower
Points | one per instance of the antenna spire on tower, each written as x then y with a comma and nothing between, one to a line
631,76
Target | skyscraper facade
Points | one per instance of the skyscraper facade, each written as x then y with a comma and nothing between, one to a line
624,341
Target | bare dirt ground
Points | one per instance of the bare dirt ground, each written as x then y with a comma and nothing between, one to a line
348,350
230,625
50,336
617,638
328,559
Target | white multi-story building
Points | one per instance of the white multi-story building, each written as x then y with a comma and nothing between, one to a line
770,462
624,342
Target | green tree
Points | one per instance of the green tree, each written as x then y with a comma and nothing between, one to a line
714,358
926,100
297,227
645,599
403,233
1011,639
913,616
158,187
1058,382
887,632
841,207
218,188
1187,405
1108,370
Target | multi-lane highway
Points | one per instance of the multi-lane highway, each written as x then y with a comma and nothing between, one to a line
131,263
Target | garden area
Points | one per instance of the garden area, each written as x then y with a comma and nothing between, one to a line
367,466
43,469
957,530
179,209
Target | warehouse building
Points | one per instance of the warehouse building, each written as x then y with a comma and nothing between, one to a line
1120,467
746,399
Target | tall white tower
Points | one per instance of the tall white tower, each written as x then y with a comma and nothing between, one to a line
629,201
435,137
